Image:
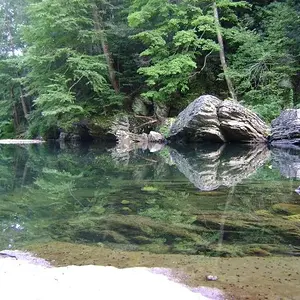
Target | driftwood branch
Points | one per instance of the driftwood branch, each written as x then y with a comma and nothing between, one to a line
147,123
144,117
204,64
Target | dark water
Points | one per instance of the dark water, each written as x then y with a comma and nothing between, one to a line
213,200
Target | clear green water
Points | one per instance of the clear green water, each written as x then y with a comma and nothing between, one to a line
217,201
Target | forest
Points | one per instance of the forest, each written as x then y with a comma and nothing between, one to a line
65,61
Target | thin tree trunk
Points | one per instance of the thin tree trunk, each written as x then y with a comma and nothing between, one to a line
222,52
16,117
15,112
23,102
105,49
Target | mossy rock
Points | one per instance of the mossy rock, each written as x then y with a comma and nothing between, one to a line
164,128
149,189
286,208
125,202
263,213
294,217
257,251
100,127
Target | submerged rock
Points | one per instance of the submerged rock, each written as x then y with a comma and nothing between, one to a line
210,119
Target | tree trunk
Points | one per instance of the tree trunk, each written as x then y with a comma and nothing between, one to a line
14,112
105,49
222,52
23,102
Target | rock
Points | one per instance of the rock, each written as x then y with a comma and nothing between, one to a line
285,130
240,124
64,137
198,121
128,141
211,278
140,107
161,110
210,119
120,123
165,126
155,137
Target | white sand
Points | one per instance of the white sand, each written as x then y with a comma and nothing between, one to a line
32,279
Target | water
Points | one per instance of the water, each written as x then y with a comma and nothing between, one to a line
228,211
215,200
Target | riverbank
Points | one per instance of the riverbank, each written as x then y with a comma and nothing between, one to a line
251,278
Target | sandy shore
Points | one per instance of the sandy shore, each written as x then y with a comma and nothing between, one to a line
251,278
28,278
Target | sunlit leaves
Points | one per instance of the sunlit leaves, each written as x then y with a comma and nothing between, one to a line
174,33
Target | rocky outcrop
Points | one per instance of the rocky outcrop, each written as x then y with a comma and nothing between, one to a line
128,141
238,123
285,130
209,168
198,121
210,119
155,137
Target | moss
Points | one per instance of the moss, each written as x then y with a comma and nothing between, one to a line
263,213
164,129
125,202
98,210
286,208
103,122
257,251
294,217
127,209
113,236
150,189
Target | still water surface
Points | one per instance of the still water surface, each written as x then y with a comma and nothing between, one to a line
216,201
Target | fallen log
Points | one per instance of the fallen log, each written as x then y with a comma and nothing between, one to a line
19,141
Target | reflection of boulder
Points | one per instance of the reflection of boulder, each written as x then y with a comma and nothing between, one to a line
287,161
210,119
213,167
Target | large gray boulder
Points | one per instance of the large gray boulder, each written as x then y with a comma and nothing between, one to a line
239,123
210,119
198,121
285,130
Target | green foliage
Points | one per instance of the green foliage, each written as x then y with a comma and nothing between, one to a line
174,34
264,65
65,67
57,57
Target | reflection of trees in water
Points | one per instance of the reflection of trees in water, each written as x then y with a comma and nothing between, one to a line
145,204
